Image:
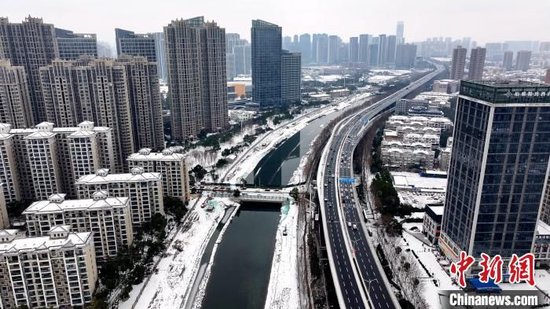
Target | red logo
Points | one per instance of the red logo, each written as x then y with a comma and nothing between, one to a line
521,269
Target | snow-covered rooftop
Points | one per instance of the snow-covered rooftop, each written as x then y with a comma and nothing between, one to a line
146,154
543,228
50,206
103,176
44,242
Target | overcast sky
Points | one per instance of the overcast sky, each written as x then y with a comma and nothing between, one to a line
483,20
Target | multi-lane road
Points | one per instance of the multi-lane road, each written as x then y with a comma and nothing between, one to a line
358,277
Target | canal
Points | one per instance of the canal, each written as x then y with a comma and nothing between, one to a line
242,264
277,167
241,269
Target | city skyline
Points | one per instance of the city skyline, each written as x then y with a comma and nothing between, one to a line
376,17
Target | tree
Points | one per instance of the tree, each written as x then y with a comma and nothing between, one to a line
294,193
175,207
199,172
236,193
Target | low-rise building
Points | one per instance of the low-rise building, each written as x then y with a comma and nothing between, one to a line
108,218
143,189
431,225
172,166
54,271
541,249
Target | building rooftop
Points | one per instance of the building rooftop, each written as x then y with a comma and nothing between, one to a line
145,154
506,91
45,242
52,205
102,176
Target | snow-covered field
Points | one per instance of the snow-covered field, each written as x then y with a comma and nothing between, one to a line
282,292
168,286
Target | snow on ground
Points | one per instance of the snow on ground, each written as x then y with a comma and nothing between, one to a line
429,257
168,286
269,141
283,282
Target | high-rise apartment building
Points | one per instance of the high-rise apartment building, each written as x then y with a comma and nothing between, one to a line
334,43
145,105
108,218
508,61
54,271
242,55
198,89
363,53
354,49
523,60
382,49
477,63
305,48
498,169
143,189
405,56
73,45
458,63
322,49
390,54
172,166
400,29
266,63
15,101
30,44
291,77
547,78
93,90
45,160
4,218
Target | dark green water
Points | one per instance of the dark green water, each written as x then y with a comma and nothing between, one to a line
242,266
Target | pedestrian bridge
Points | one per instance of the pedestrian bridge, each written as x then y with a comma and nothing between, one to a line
270,197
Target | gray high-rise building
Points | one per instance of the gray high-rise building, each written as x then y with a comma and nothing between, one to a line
196,77
373,55
508,61
458,62
498,169
160,49
334,43
91,90
363,53
305,48
392,45
314,43
73,45
266,63
523,60
399,32
291,72
133,44
382,49
30,44
477,63
242,55
354,49
15,101
145,105
322,49
405,56
287,42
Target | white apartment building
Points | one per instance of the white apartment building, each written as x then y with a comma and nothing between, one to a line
418,121
46,160
54,271
108,218
143,189
172,166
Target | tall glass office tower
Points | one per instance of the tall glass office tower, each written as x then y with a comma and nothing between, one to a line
498,168
266,63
